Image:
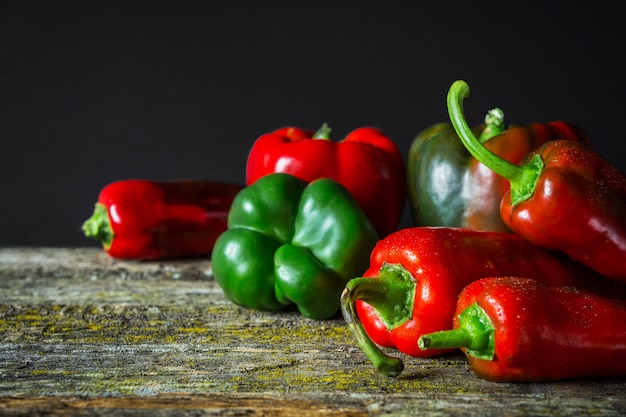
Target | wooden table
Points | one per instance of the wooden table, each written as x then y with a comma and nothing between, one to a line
82,334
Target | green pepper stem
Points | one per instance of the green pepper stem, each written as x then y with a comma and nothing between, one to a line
323,132
445,339
392,295
494,121
523,179
98,226
475,332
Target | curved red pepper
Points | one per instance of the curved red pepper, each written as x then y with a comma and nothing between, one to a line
142,219
366,162
416,274
518,329
564,196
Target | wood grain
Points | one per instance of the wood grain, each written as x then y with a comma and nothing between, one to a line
83,334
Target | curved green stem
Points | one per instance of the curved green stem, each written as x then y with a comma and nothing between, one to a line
323,132
523,179
475,333
392,295
98,226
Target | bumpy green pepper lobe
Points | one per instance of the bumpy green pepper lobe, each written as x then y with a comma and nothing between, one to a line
244,268
292,242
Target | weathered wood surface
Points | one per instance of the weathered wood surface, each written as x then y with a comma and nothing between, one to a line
82,334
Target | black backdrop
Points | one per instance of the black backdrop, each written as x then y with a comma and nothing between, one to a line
92,92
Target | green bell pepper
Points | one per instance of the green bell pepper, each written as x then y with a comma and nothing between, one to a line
292,242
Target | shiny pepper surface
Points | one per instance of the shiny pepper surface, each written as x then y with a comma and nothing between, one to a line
518,329
290,242
366,162
564,196
144,220
447,186
416,275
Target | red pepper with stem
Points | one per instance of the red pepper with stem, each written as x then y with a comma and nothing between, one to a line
366,162
518,329
564,196
416,274
142,220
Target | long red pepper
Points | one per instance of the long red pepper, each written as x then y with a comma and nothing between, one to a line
416,274
564,196
518,329
142,219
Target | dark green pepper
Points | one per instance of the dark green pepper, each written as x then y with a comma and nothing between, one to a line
292,242
448,187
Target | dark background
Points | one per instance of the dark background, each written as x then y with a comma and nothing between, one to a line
92,92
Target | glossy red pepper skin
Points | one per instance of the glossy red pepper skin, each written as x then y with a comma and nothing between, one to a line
513,145
161,219
563,196
578,207
366,162
441,261
546,332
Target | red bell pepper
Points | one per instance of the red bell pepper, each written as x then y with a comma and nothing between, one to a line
416,274
366,162
564,196
142,219
518,329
